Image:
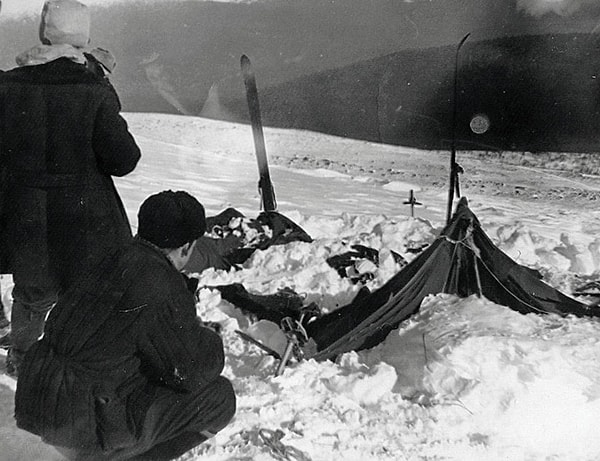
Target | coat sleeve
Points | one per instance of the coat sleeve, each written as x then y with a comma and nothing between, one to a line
116,150
177,350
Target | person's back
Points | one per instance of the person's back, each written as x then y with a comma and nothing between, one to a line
61,140
125,366
61,144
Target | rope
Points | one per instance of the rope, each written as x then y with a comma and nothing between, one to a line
468,235
476,256
469,243
510,292
450,266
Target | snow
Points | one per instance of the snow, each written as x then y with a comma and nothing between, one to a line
464,379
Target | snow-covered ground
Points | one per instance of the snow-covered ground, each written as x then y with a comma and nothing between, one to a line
464,379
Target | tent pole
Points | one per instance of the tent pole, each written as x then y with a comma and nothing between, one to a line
453,164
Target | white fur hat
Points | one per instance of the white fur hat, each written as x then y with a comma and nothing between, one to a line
65,22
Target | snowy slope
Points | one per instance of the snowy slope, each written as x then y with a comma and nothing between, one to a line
464,379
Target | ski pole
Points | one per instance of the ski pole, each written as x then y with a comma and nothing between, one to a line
454,167
265,186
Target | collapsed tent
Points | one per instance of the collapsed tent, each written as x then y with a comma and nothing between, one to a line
462,261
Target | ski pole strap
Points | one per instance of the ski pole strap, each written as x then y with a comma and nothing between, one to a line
456,170
267,195
280,451
286,355
293,328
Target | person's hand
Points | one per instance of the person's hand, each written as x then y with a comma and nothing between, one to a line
191,282
214,326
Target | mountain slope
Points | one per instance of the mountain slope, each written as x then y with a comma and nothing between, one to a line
538,93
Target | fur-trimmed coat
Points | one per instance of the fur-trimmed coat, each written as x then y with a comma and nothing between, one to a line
111,342
61,139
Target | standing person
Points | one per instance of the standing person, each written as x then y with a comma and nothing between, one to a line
61,139
126,370
4,323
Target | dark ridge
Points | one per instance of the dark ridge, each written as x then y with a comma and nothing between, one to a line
539,93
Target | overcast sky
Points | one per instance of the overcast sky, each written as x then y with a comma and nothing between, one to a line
535,7
12,8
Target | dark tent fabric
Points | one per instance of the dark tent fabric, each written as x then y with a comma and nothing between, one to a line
275,307
222,219
462,261
212,252
283,228
229,250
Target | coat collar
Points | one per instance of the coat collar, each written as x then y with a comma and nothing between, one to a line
152,246
190,282
43,54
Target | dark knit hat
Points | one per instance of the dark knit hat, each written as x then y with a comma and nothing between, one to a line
171,219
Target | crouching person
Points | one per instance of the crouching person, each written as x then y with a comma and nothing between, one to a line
125,370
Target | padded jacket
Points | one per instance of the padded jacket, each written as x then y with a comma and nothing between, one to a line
112,341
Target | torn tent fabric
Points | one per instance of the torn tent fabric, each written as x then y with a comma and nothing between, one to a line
275,307
283,230
462,261
232,238
360,263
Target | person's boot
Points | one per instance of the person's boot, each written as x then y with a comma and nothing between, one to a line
6,341
12,364
27,327
4,323
173,448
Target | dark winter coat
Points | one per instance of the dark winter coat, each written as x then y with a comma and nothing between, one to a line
61,140
111,341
